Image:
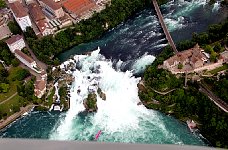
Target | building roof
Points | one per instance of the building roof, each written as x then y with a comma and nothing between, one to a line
14,39
24,56
18,10
42,25
40,85
52,4
194,54
36,12
78,6
224,54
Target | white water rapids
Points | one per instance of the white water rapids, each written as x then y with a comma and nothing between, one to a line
119,117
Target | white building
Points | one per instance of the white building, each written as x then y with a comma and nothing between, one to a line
28,61
20,15
40,88
15,42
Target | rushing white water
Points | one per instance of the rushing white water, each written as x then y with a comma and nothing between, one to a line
140,65
216,6
119,117
174,19
57,92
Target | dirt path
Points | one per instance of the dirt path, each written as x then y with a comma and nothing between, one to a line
8,98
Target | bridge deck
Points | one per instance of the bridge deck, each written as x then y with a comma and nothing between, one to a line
167,34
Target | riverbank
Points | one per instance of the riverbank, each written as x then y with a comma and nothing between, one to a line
86,30
15,116
186,102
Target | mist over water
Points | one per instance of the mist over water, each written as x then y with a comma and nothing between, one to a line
118,117
125,51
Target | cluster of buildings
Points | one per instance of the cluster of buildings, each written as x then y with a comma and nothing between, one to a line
193,60
16,43
48,16
44,16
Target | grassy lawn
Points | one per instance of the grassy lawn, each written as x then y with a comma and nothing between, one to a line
7,106
13,84
12,72
224,67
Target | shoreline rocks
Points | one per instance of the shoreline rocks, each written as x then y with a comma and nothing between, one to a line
141,86
101,94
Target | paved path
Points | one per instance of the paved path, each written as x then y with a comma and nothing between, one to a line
13,117
220,103
8,98
39,63
167,34
162,93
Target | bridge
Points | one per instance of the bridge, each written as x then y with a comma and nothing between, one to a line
167,34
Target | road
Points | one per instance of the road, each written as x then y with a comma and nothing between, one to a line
220,103
39,63
167,34
8,98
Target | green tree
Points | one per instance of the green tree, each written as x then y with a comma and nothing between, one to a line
208,49
15,62
2,4
4,73
213,56
4,87
29,33
15,108
14,28
21,74
217,47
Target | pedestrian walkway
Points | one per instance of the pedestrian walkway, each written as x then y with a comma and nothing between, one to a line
167,34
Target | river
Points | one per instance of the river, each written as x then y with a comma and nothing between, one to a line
130,46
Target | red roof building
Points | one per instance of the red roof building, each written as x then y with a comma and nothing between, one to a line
44,28
36,12
40,88
18,10
20,14
24,56
15,42
14,39
78,7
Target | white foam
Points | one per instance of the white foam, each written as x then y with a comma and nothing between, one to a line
216,6
140,65
119,117
57,91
